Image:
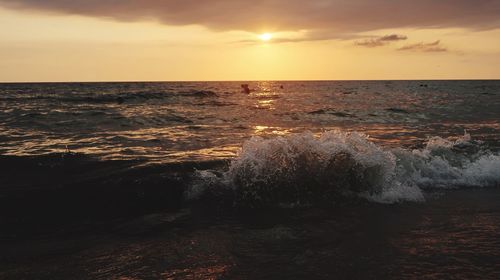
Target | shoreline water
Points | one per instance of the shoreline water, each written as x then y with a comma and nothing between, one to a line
78,217
453,234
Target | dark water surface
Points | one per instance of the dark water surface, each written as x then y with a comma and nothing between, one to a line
196,121
297,180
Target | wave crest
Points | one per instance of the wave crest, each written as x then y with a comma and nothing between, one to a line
304,169
301,168
445,163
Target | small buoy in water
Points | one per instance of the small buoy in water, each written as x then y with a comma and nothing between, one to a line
281,87
245,88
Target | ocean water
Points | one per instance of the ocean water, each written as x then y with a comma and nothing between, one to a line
382,149
414,133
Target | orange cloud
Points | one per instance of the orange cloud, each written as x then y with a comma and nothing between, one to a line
380,41
425,47
329,18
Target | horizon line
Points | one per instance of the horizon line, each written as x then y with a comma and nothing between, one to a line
250,80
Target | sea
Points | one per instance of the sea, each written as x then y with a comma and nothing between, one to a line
294,180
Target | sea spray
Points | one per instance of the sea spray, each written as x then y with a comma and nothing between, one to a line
445,163
302,169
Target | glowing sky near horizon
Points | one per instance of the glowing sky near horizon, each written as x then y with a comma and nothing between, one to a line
57,41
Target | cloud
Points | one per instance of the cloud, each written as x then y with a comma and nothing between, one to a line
330,17
380,41
392,37
424,47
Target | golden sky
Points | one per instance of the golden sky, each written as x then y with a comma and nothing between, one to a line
148,40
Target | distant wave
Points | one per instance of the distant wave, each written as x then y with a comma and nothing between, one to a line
105,97
198,93
304,169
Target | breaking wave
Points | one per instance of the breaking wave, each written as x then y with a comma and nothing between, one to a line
304,169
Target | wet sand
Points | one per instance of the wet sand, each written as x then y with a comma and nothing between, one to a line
454,235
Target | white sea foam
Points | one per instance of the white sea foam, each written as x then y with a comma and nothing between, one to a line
449,164
301,168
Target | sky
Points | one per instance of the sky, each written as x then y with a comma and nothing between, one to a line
193,40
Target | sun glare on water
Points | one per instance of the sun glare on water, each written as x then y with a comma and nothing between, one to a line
266,37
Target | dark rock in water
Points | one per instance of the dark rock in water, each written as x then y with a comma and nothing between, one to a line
317,112
397,110
245,88
331,112
340,114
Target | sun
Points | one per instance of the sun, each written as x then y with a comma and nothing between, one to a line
265,36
